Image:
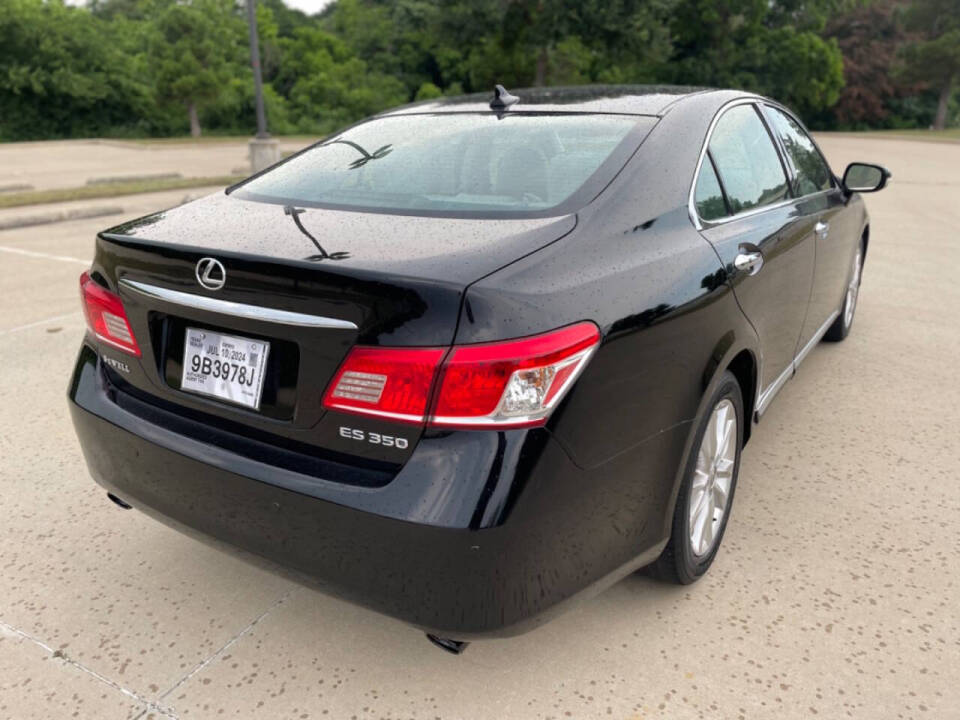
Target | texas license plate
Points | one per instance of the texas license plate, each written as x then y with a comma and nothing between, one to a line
224,366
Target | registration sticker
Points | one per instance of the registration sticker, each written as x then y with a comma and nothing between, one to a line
224,366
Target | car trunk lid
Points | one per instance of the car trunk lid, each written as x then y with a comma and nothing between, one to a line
400,284
448,249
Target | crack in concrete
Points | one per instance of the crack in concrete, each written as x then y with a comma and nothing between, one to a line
200,666
60,655
148,706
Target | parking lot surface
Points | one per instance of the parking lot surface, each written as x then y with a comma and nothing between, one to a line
71,163
836,593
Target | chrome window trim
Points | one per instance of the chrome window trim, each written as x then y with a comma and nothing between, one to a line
756,101
691,203
834,182
767,395
235,309
743,214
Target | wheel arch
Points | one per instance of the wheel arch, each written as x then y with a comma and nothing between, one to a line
743,366
736,351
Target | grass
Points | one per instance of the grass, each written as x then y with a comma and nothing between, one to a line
211,139
108,190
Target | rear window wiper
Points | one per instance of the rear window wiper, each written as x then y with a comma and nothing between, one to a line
324,255
380,152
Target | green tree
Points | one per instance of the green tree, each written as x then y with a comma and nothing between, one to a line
396,38
428,91
328,85
195,49
935,57
475,44
811,15
234,109
286,19
868,37
577,41
67,73
125,9
801,69
64,73
741,43
151,66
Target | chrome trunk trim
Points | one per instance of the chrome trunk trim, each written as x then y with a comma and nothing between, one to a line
234,309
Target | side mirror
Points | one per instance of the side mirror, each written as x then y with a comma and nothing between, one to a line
864,177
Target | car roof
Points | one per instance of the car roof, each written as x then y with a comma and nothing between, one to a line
652,100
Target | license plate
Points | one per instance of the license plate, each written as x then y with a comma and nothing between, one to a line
224,366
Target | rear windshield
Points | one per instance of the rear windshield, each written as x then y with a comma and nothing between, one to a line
460,164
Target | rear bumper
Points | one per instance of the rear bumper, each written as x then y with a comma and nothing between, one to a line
479,534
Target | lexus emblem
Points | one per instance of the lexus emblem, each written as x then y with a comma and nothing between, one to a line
211,273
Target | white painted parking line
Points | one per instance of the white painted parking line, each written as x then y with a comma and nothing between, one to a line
44,256
75,314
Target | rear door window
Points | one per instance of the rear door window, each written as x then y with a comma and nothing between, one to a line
747,160
812,172
709,195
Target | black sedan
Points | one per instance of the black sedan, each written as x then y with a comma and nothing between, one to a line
470,359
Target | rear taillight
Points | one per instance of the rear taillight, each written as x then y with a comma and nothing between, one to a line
392,383
515,383
106,317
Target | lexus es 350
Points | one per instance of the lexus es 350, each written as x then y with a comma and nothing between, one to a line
472,358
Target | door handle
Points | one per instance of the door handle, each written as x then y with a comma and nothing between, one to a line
749,262
821,229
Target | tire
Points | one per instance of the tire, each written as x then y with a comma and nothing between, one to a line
841,326
686,559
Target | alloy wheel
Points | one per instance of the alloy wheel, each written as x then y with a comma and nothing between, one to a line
712,478
853,289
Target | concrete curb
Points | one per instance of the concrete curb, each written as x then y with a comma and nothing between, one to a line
15,187
133,178
59,216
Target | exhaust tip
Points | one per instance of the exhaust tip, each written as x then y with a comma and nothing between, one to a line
454,647
117,501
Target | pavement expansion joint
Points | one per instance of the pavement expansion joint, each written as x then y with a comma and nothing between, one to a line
226,646
67,660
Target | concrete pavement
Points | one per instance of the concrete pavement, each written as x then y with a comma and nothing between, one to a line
71,163
836,593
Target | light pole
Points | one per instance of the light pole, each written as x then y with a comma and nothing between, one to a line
264,150
255,63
